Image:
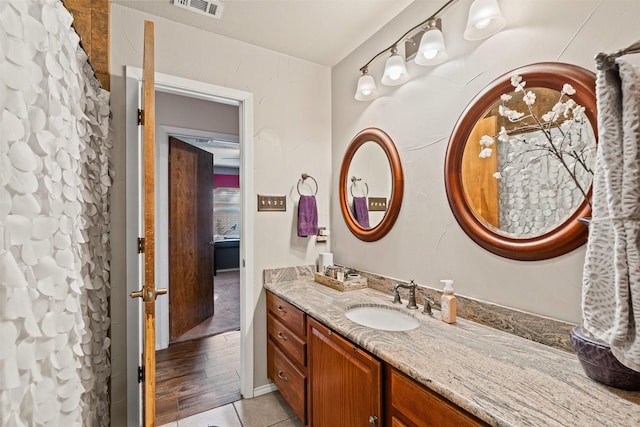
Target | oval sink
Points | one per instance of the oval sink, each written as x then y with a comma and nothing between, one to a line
383,318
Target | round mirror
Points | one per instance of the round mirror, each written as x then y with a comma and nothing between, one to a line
520,162
371,185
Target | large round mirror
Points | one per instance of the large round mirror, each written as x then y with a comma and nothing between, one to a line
371,185
520,162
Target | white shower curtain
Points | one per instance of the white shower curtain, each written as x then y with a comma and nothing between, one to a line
54,223
611,277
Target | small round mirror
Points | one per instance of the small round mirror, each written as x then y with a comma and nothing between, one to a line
520,162
371,184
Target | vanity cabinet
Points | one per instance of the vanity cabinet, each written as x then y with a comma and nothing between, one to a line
410,404
287,352
345,381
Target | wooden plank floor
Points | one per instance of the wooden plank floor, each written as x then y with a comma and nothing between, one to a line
198,375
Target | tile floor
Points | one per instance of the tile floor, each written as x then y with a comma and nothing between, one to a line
268,410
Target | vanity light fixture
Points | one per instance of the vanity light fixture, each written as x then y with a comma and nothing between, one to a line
425,41
485,19
395,72
432,50
367,90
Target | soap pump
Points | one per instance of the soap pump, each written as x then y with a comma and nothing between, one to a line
448,302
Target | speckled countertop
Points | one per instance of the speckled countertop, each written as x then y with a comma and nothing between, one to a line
503,379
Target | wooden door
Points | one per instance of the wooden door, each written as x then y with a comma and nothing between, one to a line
190,236
148,292
345,382
480,186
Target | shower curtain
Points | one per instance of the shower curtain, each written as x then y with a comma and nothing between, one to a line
611,277
54,223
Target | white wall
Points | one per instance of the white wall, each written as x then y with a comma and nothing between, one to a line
292,125
426,243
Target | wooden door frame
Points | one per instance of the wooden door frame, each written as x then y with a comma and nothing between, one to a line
208,92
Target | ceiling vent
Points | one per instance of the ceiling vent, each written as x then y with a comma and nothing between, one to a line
212,8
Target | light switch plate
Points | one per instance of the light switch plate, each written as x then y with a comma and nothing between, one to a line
272,203
377,204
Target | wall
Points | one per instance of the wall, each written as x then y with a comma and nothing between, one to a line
292,135
426,243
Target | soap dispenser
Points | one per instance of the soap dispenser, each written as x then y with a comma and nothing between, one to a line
448,303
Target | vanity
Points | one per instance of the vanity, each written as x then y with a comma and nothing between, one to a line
437,374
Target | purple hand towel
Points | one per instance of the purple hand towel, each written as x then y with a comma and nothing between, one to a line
361,211
307,216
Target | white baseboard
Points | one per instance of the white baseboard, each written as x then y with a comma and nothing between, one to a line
268,388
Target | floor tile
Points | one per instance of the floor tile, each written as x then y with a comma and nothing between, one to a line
223,416
291,422
263,411
171,424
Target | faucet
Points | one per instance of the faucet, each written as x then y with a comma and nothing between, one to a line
412,294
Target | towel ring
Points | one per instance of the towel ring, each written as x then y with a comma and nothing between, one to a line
354,181
301,181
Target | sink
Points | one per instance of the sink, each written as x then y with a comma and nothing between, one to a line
382,318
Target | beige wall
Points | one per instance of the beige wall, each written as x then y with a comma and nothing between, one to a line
427,243
292,126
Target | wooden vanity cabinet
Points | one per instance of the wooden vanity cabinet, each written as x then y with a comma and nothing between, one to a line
345,381
287,352
410,404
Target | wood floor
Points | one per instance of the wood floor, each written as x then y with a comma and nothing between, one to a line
198,375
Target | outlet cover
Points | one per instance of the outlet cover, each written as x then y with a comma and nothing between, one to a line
272,203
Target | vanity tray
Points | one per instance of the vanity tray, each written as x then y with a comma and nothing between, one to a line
341,285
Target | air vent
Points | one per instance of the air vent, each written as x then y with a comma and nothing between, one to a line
212,8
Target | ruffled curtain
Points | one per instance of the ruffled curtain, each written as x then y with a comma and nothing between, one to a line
54,223
611,279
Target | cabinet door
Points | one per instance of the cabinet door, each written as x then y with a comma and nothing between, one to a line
344,381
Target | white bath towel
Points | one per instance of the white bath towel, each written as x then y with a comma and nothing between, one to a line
611,277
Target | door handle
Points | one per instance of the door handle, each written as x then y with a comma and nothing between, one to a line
148,295
281,376
282,337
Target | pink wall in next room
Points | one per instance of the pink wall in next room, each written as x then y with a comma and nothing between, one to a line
228,181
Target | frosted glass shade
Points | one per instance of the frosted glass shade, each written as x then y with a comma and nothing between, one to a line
485,19
395,71
366,90
432,50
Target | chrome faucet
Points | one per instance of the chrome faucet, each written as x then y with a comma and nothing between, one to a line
412,294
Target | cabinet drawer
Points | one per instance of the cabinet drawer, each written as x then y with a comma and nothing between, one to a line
291,383
417,406
292,317
287,341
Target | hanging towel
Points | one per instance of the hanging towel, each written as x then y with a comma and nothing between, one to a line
307,216
611,275
361,211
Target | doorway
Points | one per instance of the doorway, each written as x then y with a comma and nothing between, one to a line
207,92
197,370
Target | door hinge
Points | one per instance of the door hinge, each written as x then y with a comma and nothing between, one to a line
140,117
140,374
140,245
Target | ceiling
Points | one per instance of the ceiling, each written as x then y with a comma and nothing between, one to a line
320,31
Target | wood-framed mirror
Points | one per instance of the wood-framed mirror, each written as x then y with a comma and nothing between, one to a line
520,161
371,185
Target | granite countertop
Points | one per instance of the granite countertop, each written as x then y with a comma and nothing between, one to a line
501,378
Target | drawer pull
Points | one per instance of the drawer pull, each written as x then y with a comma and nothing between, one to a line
373,420
282,377
281,309
282,337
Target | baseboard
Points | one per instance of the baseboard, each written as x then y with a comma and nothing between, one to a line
268,388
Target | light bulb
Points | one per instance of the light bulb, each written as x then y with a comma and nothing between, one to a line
481,25
432,50
430,53
485,19
395,71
